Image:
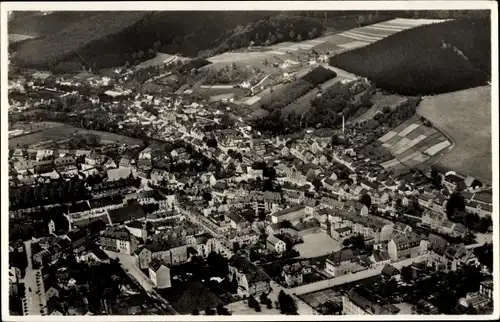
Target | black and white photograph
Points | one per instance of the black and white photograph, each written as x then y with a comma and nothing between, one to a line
252,160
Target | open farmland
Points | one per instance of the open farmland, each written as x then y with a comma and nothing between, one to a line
161,59
55,132
464,116
413,145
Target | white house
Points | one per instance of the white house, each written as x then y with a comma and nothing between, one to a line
159,274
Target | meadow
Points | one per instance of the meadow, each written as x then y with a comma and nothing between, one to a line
465,117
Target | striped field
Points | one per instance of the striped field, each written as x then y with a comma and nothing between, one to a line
412,143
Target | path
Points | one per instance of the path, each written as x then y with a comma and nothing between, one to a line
128,264
35,299
349,278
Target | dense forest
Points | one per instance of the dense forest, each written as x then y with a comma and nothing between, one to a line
430,59
110,38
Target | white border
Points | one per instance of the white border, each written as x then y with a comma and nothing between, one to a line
245,5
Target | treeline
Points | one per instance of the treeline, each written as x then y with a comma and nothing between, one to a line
428,60
319,75
47,193
231,74
287,95
271,30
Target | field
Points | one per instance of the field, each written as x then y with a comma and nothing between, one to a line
381,100
429,59
413,145
55,132
464,116
161,59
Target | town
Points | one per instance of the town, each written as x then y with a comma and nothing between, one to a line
154,189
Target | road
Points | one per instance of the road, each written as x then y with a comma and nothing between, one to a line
35,299
128,264
349,278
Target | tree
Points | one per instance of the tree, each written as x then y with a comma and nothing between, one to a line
221,310
469,238
209,311
316,182
366,200
407,274
252,302
336,140
299,37
207,196
157,45
455,202
287,304
356,241
218,265
484,255
140,55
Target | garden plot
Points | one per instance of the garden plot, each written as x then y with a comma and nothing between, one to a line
410,143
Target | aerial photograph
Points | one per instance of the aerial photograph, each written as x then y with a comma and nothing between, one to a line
248,163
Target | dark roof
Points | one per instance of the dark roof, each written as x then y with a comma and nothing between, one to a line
288,210
135,224
106,201
100,253
164,245
132,211
79,207
120,234
390,270
93,228
484,197
341,256
155,264
252,272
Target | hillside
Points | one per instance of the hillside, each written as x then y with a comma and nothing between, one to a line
431,59
109,39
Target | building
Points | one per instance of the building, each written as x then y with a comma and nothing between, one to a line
291,214
406,246
252,280
205,244
275,244
391,272
120,241
294,273
342,233
159,274
170,251
361,301
486,289
342,262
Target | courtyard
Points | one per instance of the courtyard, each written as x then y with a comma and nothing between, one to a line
316,245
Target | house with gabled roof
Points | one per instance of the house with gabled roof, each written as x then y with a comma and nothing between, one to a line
252,280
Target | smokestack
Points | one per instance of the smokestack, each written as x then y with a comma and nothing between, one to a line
343,125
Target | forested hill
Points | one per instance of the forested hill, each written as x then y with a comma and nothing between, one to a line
110,38
426,60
